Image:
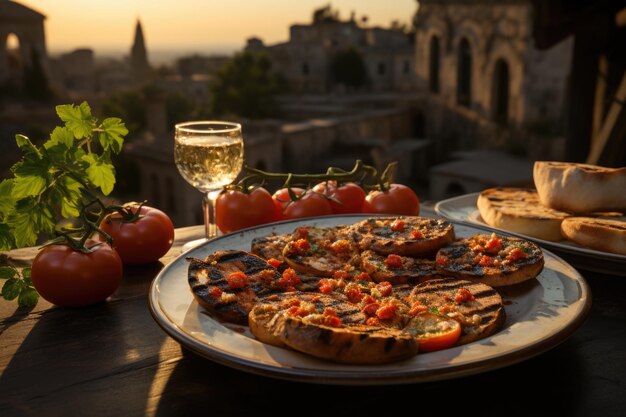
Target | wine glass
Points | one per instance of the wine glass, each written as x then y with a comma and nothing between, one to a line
208,155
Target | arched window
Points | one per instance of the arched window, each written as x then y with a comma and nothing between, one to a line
464,74
13,55
433,73
500,93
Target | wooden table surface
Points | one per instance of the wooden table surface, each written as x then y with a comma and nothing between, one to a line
112,359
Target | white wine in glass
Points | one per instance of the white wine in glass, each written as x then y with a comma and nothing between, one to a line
208,155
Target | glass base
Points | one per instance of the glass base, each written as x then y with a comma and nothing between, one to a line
193,243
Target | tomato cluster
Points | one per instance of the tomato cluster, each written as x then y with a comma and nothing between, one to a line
237,210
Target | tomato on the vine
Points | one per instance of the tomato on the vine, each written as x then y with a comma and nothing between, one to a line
282,200
70,278
308,205
398,199
236,209
350,196
142,241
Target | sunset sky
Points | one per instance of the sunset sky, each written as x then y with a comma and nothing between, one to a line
108,25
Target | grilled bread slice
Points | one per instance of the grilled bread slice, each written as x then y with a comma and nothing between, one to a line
406,236
599,234
519,210
580,188
270,247
328,326
320,251
493,260
477,307
404,270
224,295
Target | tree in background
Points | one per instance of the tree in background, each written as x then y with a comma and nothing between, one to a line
348,68
246,87
325,14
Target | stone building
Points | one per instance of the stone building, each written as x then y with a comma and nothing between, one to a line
139,66
22,40
306,58
487,84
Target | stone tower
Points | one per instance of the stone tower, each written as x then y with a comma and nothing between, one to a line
27,26
139,67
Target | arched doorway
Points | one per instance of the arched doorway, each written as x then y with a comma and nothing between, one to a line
500,93
13,56
464,74
433,73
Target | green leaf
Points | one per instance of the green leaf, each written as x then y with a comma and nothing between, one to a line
12,288
7,272
26,274
60,135
100,174
31,177
28,297
29,219
6,202
67,194
78,119
26,145
7,240
112,136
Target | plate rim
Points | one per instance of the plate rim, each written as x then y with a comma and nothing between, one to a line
341,377
574,250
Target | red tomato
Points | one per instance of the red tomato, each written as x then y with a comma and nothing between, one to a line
310,205
349,195
399,199
143,241
434,331
70,278
282,199
236,210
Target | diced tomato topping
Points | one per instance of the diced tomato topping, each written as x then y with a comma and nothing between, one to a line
494,245
393,261
372,321
215,292
385,288
486,261
363,276
353,293
274,262
237,280
515,255
297,311
301,246
368,299
398,225
417,308
329,311
340,274
303,232
416,234
332,321
292,302
316,298
386,311
463,295
476,259
370,309
325,286
289,280
442,260
340,246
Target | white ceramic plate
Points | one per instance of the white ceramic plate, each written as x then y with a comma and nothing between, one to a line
463,209
540,314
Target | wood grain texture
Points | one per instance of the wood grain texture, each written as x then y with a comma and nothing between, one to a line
112,359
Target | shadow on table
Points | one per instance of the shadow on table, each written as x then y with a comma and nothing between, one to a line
547,384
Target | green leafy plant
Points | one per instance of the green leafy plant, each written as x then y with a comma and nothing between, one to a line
59,178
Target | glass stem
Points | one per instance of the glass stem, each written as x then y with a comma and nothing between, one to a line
208,206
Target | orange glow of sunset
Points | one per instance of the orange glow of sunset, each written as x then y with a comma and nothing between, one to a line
188,24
